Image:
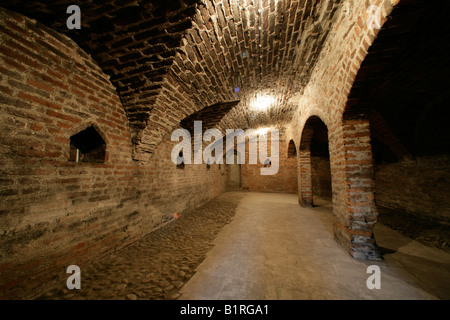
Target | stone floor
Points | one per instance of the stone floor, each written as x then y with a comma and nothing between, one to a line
156,266
274,249
260,246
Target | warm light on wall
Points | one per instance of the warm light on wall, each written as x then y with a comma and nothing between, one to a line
262,102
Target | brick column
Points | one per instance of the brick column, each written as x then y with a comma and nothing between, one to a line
355,212
304,166
305,183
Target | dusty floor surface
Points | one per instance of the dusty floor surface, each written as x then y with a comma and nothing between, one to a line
425,231
167,264
274,249
156,266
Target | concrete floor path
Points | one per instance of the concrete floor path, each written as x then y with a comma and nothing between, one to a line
275,249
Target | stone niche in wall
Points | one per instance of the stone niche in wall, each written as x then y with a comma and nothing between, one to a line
87,146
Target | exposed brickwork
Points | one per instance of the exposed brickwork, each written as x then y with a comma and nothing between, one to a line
401,88
143,69
209,116
170,59
304,164
314,165
133,41
424,187
284,181
55,212
321,177
360,187
225,49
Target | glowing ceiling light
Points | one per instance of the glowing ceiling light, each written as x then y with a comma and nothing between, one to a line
262,103
262,131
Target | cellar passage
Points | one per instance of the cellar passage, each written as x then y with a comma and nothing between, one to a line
348,98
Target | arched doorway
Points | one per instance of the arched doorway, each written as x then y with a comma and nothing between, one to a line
292,150
401,90
234,180
314,164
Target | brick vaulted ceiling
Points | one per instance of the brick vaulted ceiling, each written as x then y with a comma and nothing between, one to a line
173,58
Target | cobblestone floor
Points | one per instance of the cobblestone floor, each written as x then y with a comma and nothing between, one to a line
158,265
259,246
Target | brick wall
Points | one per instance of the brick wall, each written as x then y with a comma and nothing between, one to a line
55,212
419,187
285,180
321,177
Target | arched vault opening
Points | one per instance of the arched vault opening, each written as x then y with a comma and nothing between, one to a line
314,163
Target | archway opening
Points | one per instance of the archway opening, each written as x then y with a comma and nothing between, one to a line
292,150
402,90
234,180
314,164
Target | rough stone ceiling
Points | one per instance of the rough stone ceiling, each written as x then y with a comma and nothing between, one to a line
169,59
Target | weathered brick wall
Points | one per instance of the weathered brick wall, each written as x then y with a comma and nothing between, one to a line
419,187
321,177
285,180
55,212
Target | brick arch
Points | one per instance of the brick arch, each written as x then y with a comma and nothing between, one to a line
326,95
309,111
292,149
169,59
304,160
363,114
354,209
220,53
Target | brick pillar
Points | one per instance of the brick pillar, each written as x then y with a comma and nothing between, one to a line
305,183
304,166
355,212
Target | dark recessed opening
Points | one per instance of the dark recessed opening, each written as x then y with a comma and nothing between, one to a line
180,161
87,146
292,151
